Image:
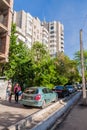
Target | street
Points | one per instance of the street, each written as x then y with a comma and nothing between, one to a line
76,119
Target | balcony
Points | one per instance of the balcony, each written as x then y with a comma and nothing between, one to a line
5,26
4,4
3,29
2,56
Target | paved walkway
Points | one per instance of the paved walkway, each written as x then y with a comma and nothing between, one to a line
11,113
76,119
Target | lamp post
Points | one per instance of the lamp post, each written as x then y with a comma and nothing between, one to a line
82,69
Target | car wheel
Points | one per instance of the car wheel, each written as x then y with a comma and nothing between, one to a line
56,99
63,95
68,94
25,105
43,104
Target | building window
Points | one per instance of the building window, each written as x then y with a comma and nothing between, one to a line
37,37
52,27
34,26
51,32
62,38
37,31
52,36
62,43
1,18
34,33
52,41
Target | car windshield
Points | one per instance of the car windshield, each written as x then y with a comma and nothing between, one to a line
31,91
59,87
69,86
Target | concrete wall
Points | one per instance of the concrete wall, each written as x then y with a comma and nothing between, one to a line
3,85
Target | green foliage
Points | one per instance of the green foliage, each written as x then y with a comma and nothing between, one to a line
38,52
18,56
48,73
34,67
67,69
78,61
42,65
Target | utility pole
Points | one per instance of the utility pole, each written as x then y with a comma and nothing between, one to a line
82,69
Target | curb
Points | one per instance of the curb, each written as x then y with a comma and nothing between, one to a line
49,122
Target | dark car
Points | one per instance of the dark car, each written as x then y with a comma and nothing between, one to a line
70,88
62,91
79,86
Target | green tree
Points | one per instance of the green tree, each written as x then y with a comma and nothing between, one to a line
18,56
44,69
67,69
77,58
38,52
34,67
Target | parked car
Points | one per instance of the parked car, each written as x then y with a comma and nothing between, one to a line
38,96
62,91
79,86
70,88
86,85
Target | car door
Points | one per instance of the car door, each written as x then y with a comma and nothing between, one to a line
45,95
50,95
66,92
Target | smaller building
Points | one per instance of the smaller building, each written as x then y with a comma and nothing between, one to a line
5,28
3,86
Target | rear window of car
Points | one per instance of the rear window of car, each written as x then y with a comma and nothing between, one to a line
69,86
31,91
59,87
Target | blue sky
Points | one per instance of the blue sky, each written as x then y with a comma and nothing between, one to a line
71,13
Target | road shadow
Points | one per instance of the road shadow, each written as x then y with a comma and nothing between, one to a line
13,104
7,119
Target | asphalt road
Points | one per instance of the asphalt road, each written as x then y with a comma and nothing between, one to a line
76,119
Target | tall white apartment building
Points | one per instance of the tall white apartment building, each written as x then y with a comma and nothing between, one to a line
37,30
56,37
45,36
24,26
29,29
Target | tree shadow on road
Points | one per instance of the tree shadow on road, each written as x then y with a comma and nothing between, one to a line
13,104
7,119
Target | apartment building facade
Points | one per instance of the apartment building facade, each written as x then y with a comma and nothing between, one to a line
45,36
56,37
30,29
24,26
6,8
37,30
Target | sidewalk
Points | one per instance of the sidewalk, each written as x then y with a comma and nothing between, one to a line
76,119
11,113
